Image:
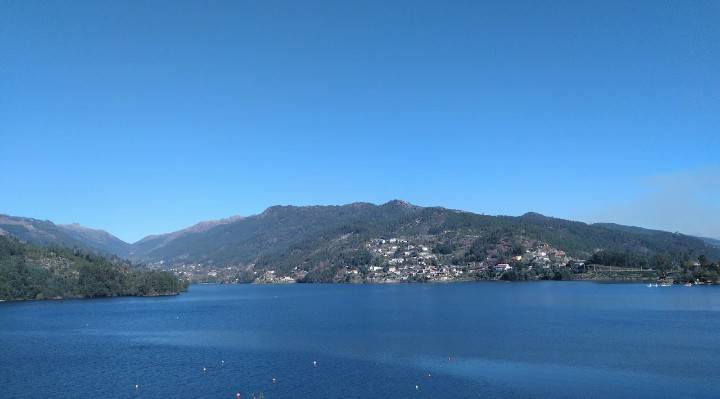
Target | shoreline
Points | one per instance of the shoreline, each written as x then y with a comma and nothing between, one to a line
449,282
398,282
80,298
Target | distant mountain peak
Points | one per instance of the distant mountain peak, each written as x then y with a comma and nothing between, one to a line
19,220
68,235
535,215
200,227
208,224
272,209
79,227
88,232
399,203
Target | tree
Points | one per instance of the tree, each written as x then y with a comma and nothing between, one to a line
703,261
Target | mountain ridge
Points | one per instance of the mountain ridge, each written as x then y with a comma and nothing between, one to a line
287,236
47,233
152,242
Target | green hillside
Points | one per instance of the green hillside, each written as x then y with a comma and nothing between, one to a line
340,243
318,238
29,272
46,233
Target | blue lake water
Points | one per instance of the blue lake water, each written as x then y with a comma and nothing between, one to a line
481,340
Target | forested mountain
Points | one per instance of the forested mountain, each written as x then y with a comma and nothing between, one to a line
95,239
712,241
147,245
284,237
274,231
44,232
320,239
29,272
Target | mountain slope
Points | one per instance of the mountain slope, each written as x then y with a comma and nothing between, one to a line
95,239
29,272
141,249
45,233
711,241
285,237
320,239
271,231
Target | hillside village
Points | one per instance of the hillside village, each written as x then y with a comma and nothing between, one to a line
407,259
394,242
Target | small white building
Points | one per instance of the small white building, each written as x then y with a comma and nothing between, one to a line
503,267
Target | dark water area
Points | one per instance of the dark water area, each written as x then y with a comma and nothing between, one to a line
474,340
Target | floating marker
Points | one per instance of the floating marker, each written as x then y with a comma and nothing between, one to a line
274,380
314,363
237,395
137,386
204,369
417,387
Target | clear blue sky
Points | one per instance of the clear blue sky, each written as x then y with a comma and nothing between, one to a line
143,117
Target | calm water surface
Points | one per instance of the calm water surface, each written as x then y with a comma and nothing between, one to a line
484,340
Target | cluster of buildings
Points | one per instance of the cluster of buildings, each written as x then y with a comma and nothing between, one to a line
270,277
399,259
418,258
204,273
540,255
398,251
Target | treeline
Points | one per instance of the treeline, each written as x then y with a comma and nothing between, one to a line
683,267
28,272
661,262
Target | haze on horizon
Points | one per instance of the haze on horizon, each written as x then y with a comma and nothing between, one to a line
144,118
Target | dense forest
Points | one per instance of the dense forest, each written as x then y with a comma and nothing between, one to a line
30,272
